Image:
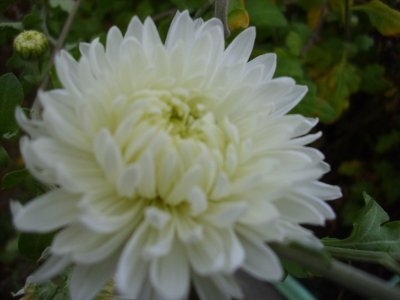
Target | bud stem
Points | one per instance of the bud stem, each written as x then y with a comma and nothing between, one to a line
37,107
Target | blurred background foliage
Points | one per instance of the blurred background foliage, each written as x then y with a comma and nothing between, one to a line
346,51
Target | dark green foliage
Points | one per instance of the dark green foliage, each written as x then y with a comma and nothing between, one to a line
4,159
11,96
13,179
32,245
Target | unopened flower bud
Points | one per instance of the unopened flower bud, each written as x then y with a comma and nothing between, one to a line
31,45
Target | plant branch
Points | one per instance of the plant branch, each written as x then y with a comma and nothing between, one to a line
221,12
316,31
168,13
347,276
37,107
202,10
378,257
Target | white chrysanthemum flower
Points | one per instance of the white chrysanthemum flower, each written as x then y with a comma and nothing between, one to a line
172,164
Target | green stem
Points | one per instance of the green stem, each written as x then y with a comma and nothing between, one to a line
378,257
35,70
221,12
347,276
36,107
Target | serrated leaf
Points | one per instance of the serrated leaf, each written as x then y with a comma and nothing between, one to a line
370,231
13,179
11,95
65,5
4,159
337,85
265,14
385,19
372,80
238,18
31,245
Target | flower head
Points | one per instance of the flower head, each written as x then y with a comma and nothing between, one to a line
31,45
172,164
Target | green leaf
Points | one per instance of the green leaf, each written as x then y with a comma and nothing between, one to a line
385,19
372,80
31,245
4,159
387,141
15,62
340,7
371,231
364,42
289,67
294,269
265,14
294,43
337,85
312,106
310,4
11,95
65,5
13,179
32,21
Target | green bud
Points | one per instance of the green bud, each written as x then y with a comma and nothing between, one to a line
31,45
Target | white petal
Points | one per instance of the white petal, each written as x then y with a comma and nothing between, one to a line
114,40
135,29
53,266
86,281
294,209
222,187
208,290
261,261
177,285
132,269
48,212
198,201
240,48
147,187
129,179
224,214
183,186
157,218
206,256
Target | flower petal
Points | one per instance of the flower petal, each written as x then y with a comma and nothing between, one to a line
48,212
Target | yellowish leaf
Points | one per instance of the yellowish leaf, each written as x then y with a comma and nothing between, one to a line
385,19
313,16
238,18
